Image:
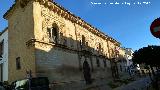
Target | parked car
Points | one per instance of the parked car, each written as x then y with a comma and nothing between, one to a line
2,86
38,83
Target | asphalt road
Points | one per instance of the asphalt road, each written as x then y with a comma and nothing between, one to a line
140,84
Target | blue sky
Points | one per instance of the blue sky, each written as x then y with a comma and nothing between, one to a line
127,24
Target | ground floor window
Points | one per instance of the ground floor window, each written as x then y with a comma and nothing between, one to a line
18,64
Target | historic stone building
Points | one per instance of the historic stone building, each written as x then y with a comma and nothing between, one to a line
48,40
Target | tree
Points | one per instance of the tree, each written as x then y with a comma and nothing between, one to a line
150,56
147,55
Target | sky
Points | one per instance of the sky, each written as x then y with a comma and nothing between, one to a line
128,22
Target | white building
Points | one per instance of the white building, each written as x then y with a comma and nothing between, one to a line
4,55
125,59
128,56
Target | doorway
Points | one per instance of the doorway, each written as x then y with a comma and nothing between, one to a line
87,72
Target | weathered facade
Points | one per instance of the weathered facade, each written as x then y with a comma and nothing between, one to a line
50,41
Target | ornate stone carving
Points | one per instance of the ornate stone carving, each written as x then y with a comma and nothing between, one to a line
43,1
50,18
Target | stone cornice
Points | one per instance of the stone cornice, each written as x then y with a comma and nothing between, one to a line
53,6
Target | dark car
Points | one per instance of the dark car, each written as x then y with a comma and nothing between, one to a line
38,83
2,86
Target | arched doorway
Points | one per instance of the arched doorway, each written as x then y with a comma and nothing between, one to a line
87,72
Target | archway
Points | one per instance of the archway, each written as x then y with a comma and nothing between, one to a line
87,72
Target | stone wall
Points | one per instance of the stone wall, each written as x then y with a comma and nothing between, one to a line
20,30
57,64
61,63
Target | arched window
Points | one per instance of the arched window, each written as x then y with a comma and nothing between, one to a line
53,34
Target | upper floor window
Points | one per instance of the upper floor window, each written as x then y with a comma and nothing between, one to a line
53,34
83,40
1,48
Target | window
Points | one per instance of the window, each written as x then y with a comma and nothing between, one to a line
100,46
98,63
1,48
18,64
83,40
53,34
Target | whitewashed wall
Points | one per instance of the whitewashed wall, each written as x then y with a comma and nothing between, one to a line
4,60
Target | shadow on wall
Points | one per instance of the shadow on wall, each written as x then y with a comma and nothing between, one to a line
61,58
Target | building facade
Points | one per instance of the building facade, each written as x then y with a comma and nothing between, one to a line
4,55
47,40
126,55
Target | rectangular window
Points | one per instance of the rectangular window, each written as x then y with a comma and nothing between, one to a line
83,40
1,48
18,63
